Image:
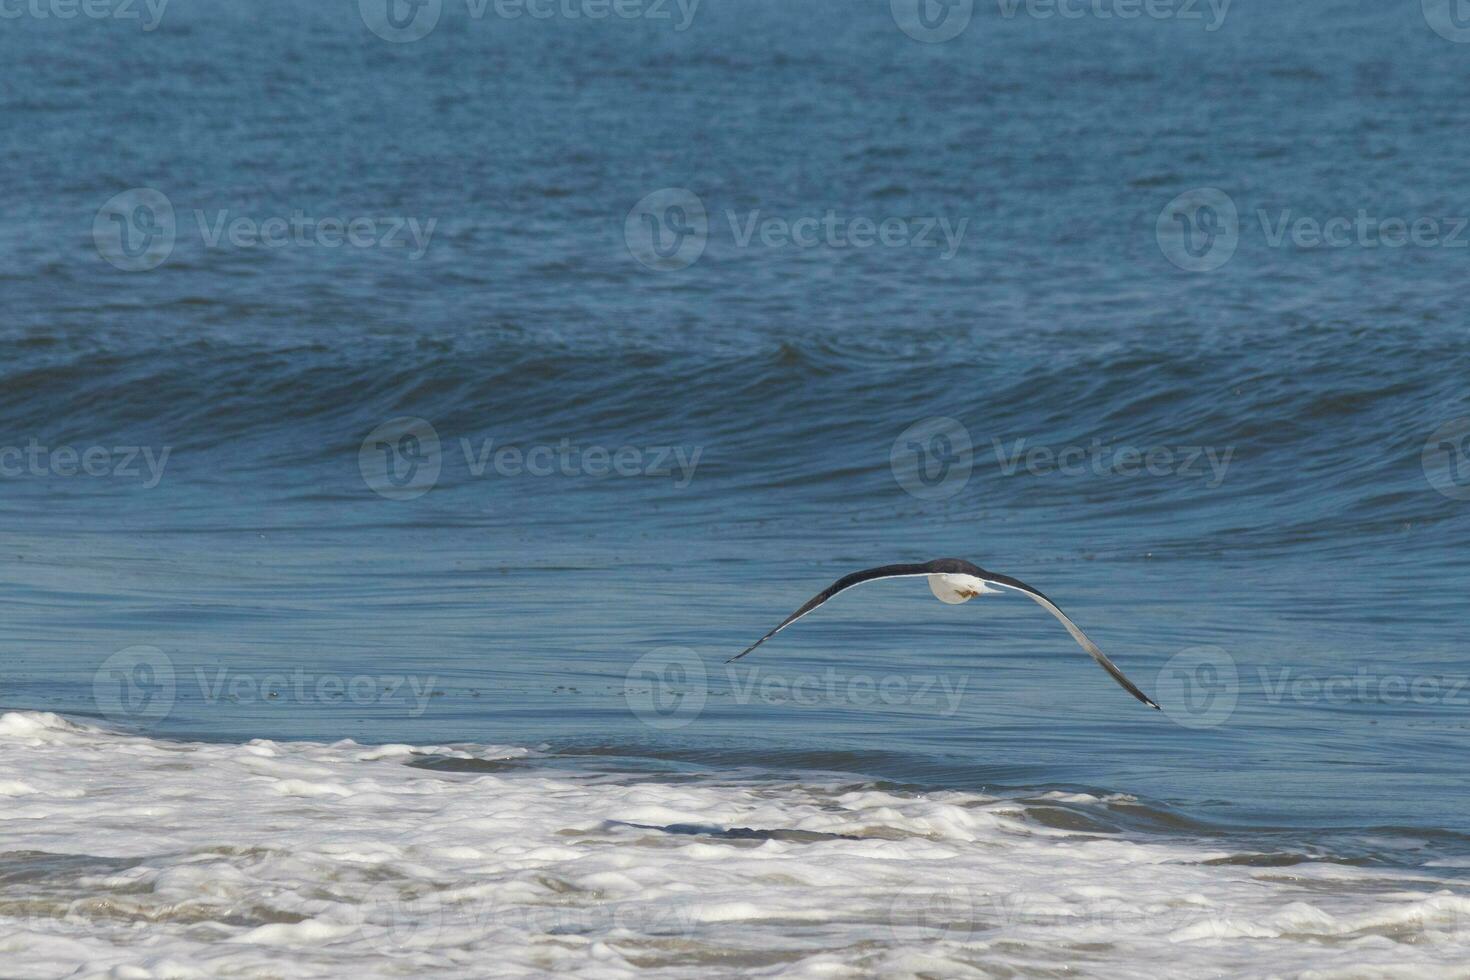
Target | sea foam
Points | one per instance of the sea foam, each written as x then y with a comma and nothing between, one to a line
127,856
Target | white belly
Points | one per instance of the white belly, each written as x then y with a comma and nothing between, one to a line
955,589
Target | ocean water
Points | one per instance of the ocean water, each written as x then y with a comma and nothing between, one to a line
402,419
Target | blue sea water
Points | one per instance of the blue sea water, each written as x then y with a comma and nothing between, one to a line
700,446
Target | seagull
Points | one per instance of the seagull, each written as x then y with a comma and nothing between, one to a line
954,580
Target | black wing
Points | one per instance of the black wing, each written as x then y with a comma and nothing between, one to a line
1017,585
841,585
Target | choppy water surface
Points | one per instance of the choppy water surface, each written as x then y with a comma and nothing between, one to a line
511,491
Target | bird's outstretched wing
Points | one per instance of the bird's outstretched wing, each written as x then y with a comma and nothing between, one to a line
1016,585
956,566
841,585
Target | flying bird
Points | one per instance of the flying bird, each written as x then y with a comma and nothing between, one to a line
954,580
